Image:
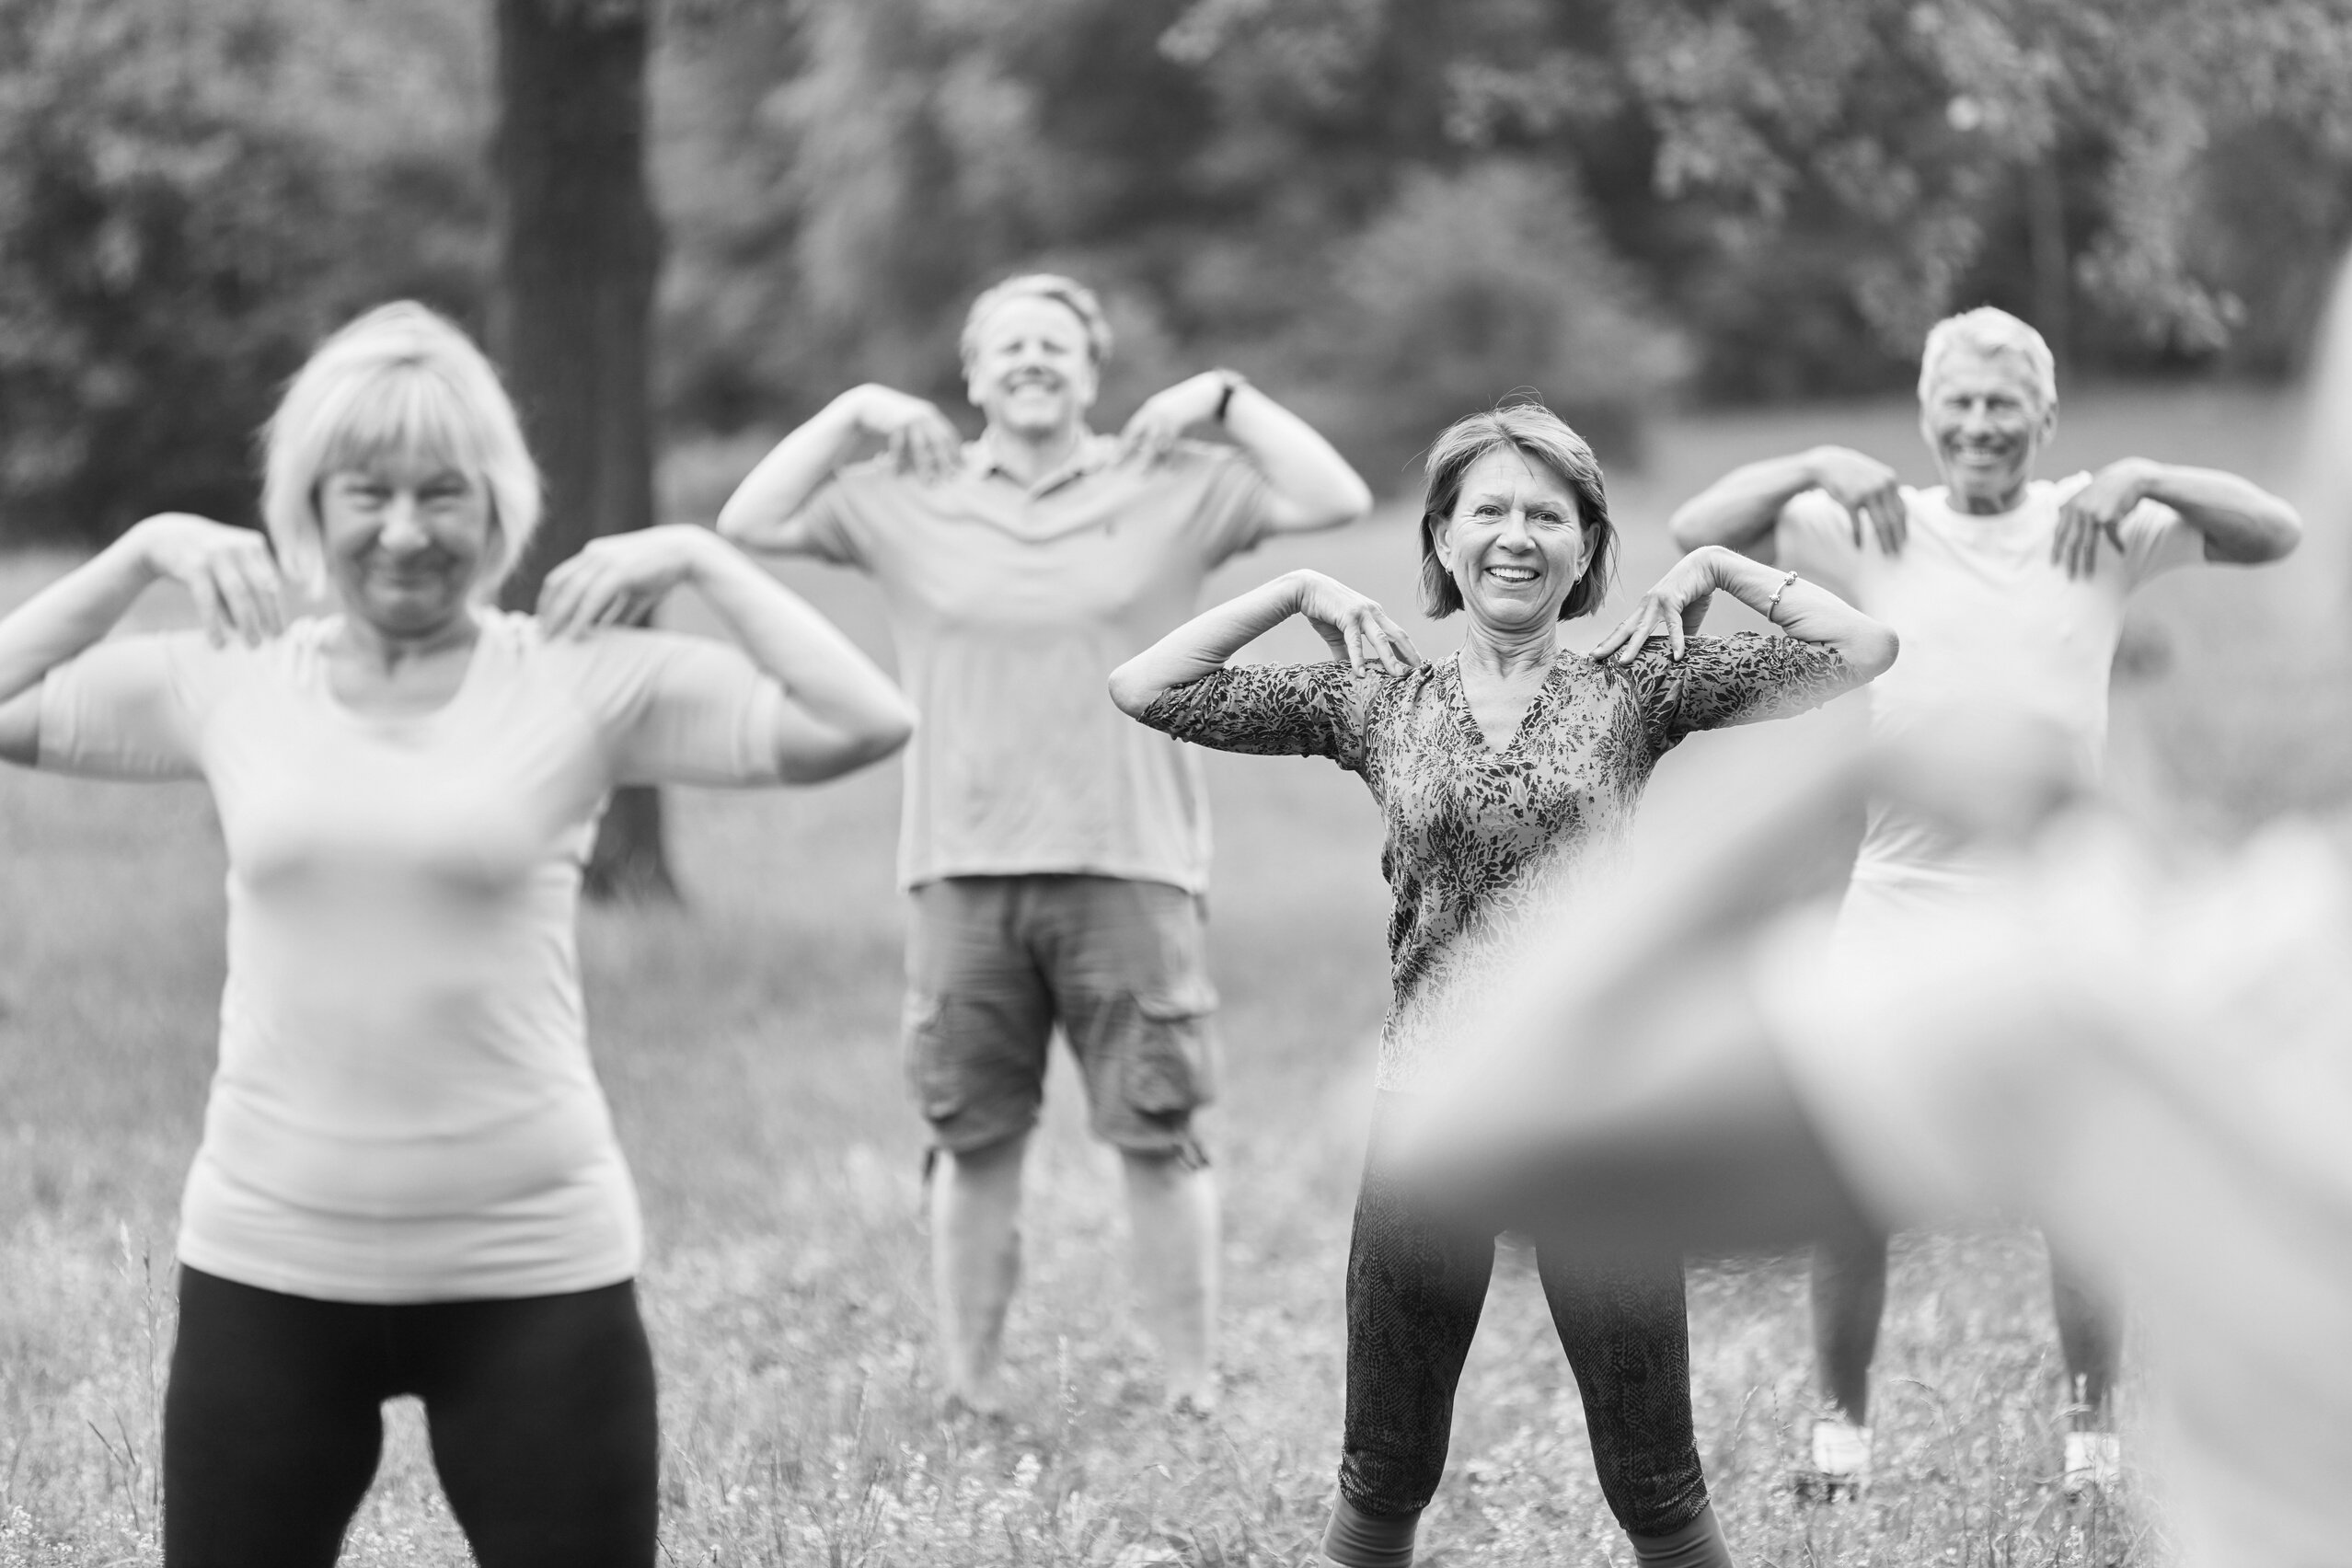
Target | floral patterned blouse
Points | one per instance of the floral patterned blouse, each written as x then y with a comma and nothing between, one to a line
1474,833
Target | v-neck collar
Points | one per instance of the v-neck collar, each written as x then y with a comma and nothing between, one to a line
1464,717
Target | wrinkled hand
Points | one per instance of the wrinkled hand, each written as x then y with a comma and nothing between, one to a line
2094,512
230,574
618,579
1152,432
1352,626
920,439
1673,609
1869,492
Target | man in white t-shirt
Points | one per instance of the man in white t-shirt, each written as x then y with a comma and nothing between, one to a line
2008,592
1054,854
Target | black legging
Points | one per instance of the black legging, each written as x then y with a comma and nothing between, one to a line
1416,1283
541,1411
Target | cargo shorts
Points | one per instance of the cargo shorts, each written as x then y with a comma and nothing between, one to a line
994,963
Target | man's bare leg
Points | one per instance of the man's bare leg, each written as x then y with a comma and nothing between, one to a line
975,1265
1171,1210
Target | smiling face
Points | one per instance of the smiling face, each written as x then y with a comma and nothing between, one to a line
1984,418
1514,542
1031,370
405,540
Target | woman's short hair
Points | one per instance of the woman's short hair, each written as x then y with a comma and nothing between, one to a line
1072,295
1536,432
398,382
1991,333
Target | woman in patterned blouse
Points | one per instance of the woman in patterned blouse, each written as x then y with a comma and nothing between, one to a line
1496,769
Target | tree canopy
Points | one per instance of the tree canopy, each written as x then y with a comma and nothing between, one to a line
1389,209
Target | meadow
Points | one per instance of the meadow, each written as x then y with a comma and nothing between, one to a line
748,1042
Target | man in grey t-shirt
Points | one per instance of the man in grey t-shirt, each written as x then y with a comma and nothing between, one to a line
1054,854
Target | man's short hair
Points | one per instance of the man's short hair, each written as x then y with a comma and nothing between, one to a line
1071,294
1990,332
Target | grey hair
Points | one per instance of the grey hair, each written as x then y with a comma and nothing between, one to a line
398,382
1992,333
1068,293
1536,432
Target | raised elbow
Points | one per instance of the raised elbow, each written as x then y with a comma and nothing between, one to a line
1872,652
2284,532
734,524
1687,529
1353,502
892,731
1130,692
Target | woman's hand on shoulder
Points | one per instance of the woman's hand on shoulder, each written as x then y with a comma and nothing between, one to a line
230,574
618,579
1353,625
1674,609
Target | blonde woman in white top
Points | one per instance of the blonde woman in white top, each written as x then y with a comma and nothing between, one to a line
409,1181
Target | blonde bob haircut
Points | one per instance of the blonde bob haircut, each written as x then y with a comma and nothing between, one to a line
1068,293
398,384
1542,436
1989,332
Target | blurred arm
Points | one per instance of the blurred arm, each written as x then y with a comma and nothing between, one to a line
1740,510
2239,522
227,570
2242,523
1309,484
842,713
848,713
1639,1101
767,512
1313,486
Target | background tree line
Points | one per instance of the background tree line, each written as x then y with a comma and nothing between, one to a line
1389,209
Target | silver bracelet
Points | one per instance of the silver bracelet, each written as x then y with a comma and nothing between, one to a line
1774,602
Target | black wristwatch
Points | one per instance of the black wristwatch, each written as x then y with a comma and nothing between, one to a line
1234,381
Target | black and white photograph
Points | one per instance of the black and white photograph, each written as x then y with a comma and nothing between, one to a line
1176,783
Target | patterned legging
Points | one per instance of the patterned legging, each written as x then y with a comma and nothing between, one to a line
1416,1283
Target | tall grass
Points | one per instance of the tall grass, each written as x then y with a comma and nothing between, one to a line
748,1044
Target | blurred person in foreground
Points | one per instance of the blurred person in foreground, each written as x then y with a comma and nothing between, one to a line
409,1181
2139,1046
1513,763
2007,592
1054,855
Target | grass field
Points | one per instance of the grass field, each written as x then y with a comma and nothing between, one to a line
747,1041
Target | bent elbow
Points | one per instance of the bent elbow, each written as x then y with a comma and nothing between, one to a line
1685,530
734,523
1130,693
892,729
1874,651
2285,534
1354,502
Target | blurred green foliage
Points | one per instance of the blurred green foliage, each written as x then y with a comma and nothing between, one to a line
1387,211
189,193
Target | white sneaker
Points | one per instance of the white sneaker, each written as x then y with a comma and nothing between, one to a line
2094,1463
1840,1461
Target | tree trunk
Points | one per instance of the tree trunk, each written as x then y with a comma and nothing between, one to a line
2045,239
578,251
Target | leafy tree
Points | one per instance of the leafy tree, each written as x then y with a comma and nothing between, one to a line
190,195
1810,186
